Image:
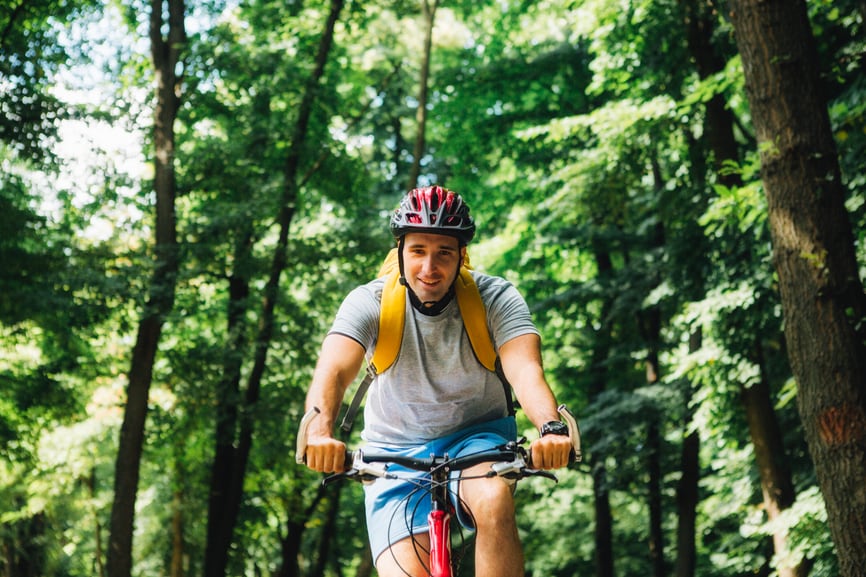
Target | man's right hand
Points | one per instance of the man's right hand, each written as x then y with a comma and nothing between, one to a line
326,455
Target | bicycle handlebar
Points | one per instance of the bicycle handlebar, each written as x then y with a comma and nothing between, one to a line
508,461
434,461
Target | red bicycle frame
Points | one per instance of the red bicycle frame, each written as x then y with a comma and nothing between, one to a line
440,543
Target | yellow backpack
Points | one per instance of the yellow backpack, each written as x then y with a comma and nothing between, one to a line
392,317
392,320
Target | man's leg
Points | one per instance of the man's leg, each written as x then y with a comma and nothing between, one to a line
402,558
498,552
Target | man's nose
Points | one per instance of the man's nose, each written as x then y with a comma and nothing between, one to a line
428,264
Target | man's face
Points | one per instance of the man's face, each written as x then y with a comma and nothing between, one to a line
430,263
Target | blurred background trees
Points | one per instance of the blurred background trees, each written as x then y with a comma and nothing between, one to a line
612,162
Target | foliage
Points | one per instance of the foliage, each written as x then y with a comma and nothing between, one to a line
577,132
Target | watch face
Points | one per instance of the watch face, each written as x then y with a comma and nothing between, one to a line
554,428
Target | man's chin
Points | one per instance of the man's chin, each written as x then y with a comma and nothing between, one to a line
428,297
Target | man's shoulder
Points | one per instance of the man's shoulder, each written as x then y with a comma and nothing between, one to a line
371,289
490,285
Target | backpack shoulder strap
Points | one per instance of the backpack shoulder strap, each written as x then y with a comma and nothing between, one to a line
392,319
475,322
475,319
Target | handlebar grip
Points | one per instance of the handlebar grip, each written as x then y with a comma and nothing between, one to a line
573,431
301,445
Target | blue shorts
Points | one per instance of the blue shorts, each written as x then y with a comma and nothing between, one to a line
397,508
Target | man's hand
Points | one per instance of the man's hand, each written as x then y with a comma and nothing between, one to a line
550,451
326,455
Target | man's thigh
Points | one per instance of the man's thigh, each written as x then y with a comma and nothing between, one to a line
409,556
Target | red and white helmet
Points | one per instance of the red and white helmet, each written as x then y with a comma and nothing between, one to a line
433,210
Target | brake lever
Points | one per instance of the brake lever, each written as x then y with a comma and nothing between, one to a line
518,469
540,473
360,471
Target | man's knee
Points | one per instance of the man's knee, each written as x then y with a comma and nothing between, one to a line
489,500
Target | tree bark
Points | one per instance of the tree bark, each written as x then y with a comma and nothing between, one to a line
814,257
165,54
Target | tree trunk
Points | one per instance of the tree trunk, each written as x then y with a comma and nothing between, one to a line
757,400
699,22
687,504
330,538
604,561
776,484
654,490
291,550
652,329
814,257
651,326
687,487
290,545
421,113
166,55
23,547
228,398
216,560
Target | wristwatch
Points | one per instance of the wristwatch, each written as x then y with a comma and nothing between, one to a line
554,428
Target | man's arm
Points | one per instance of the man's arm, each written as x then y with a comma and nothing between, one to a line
521,363
339,363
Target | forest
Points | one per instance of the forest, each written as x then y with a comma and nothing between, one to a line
189,188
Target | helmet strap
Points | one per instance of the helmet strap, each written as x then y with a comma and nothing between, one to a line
431,308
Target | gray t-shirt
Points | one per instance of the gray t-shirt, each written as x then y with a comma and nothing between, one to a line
436,386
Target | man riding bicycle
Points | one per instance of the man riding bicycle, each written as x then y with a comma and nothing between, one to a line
436,397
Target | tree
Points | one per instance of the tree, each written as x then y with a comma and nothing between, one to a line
230,464
423,88
166,54
814,257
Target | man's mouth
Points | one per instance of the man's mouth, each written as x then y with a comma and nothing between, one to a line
429,283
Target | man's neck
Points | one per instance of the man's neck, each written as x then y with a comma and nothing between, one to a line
430,308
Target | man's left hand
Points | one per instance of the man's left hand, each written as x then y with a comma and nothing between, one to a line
550,451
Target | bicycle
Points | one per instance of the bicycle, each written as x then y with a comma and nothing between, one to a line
510,461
